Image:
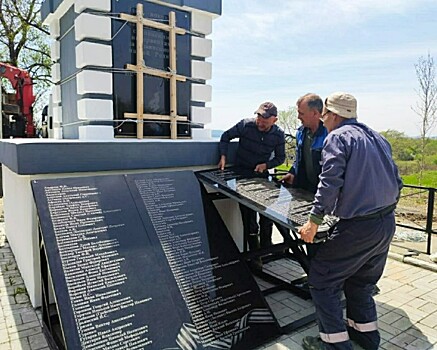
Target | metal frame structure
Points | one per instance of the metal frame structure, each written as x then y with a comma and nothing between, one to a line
428,229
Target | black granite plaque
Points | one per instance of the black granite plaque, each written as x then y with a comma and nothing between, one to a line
156,55
134,266
107,279
224,301
263,193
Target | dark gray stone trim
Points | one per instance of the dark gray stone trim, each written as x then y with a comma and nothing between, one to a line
27,157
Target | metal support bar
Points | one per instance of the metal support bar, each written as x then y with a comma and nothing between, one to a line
429,218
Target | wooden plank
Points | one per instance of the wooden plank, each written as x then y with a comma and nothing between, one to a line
152,24
172,51
155,116
155,72
140,76
140,69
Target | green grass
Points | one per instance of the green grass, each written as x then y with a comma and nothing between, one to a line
429,179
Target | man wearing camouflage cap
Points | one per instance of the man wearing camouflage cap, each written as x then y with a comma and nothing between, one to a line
360,184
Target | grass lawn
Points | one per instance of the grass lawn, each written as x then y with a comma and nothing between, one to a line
429,179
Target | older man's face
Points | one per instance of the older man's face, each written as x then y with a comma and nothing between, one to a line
265,124
306,115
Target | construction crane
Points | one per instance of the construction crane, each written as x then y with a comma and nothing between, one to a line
17,111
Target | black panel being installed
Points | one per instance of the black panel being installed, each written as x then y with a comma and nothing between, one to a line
261,192
133,265
156,55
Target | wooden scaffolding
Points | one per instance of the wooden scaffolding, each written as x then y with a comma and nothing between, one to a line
140,69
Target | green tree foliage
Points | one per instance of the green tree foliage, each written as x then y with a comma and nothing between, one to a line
287,120
406,150
403,147
24,43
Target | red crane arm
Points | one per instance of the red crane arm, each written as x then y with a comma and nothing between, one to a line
23,86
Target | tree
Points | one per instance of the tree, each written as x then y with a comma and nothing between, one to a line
24,43
427,105
287,120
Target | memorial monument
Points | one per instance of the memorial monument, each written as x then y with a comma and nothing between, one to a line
94,104
134,263
122,63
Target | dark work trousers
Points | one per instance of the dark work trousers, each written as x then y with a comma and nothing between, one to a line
352,260
266,231
250,226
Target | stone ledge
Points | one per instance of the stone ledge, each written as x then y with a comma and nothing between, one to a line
412,261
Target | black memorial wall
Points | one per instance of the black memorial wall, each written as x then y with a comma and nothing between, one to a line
156,55
135,264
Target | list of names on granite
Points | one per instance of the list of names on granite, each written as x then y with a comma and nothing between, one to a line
135,265
92,267
207,278
92,233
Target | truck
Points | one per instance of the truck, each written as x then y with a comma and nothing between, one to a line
17,108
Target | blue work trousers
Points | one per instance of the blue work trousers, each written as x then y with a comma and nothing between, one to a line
351,260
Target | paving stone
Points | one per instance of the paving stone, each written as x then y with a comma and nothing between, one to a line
4,336
389,329
390,346
28,317
429,308
390,317
25,333
403,323
430,321
403,339
419,344
20,344
37,341
25,326
385,335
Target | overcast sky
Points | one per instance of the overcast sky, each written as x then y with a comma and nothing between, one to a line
271,50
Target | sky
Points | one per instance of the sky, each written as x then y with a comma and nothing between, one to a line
272,50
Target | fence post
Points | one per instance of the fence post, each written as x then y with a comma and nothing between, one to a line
429,217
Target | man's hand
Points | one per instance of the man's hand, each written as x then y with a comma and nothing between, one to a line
308,231
260,168
222,163
289,178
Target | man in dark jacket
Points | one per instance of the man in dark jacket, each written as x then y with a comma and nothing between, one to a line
261,147
359,184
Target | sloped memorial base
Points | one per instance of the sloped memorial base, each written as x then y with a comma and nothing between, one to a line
136,262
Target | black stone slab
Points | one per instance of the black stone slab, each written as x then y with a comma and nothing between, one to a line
133,264
156,55
263,193
108,282
224,301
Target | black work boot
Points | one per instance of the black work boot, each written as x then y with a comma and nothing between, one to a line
312,343
367,340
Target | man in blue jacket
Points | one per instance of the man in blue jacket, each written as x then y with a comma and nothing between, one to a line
261,147
359,184
306,168
304,173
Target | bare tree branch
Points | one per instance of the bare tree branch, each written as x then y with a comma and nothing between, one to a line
426,106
